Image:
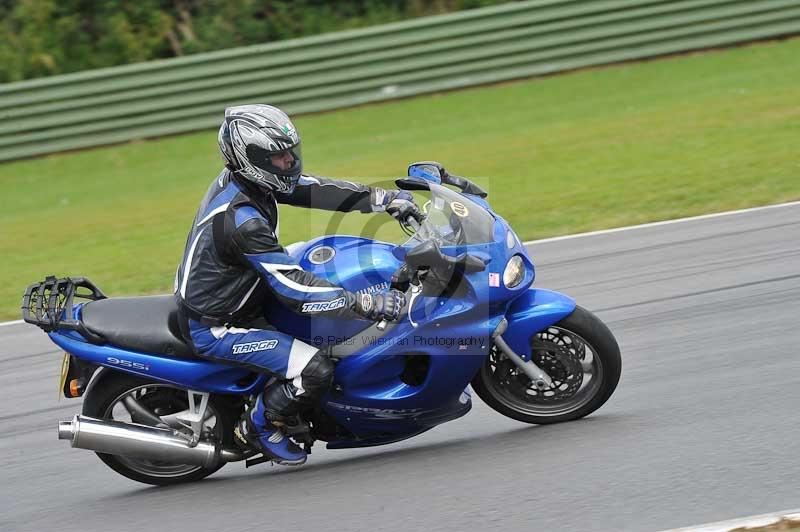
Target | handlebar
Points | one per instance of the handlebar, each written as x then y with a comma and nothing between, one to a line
412,222
465,185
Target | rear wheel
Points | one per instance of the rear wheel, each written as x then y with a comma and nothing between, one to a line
131,399
580,355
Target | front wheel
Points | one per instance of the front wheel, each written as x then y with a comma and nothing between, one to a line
130,399
582,358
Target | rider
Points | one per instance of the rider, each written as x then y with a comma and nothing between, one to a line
233,260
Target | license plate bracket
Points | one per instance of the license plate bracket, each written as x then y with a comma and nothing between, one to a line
62,380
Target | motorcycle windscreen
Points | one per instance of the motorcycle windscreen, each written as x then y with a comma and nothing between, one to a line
453,220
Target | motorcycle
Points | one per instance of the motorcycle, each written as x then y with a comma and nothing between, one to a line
156,413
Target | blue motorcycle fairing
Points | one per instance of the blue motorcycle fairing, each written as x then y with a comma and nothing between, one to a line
532,312
449,327
373,442
500,295
371,396
518,247
358,264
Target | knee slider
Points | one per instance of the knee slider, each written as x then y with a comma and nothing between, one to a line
318,374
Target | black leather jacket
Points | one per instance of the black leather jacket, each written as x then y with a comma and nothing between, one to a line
232,254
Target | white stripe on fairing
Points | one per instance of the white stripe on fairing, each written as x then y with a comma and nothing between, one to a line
213,213
247,295
188,262
271,267
299,356
274,270
664,222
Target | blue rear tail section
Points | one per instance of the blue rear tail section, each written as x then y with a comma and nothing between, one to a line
198,374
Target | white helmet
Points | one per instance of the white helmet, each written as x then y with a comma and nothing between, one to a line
250,135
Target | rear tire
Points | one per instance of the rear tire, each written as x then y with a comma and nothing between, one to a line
578,346
103,401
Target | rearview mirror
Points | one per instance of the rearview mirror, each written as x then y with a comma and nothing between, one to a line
430,171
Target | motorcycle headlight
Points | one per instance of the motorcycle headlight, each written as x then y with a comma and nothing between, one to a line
514,272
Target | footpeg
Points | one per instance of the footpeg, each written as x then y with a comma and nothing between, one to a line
250,462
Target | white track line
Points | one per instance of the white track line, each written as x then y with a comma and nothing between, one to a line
615,230
750,522
665,222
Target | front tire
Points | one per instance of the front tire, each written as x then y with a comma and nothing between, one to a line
106,401
582,358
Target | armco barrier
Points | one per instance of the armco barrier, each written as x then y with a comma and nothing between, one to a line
383,62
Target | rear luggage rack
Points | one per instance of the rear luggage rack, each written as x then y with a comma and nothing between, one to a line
48,304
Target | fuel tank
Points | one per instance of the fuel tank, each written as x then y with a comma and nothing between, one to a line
354,263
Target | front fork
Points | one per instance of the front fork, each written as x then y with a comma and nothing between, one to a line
538,376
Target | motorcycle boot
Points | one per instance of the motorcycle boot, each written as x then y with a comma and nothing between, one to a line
262,431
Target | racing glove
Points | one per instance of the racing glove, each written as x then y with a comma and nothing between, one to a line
403,210
402,207
381,306
381,199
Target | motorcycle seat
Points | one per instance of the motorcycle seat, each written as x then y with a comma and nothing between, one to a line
147,324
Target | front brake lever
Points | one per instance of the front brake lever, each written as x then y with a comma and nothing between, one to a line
416,290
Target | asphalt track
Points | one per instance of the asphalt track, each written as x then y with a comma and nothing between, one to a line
703,427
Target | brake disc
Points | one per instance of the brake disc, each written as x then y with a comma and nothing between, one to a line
562,362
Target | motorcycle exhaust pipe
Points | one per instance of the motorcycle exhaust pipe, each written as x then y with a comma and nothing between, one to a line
140,441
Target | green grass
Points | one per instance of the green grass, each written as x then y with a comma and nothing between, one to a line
593,149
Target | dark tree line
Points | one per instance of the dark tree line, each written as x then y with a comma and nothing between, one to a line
46,37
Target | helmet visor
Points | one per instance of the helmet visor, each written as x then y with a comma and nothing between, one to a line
283,163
